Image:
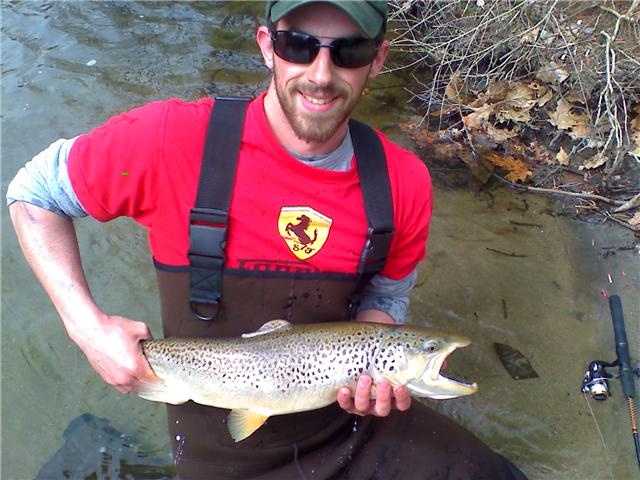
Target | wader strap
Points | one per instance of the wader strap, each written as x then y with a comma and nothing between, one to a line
208,220
378,203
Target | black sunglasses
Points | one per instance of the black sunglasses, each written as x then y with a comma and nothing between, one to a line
298,47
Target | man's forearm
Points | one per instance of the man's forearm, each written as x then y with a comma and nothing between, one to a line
377,316
50,247
111,343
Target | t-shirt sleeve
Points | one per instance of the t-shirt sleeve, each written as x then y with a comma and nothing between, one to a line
112,168
413,204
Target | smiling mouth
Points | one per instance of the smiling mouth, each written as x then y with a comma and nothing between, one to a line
317,101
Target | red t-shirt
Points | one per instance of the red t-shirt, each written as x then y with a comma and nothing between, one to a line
145,164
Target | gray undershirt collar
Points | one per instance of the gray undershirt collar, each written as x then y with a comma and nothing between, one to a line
338,160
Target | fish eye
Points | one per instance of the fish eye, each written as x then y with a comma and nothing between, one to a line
430,346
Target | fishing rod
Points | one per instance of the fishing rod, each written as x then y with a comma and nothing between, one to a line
595,381
624,366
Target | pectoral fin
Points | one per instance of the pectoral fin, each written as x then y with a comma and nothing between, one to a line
242,423
158,391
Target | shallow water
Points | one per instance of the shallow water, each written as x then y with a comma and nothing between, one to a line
67,66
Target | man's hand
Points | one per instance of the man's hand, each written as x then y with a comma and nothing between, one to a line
112,347
362,404
387,398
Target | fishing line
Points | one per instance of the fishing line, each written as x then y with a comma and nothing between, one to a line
596,379
297,461
604,445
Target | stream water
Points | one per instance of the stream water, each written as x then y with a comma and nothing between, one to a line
501,267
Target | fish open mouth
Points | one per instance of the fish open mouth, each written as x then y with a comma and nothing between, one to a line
434,384
451,387
456,383
456,387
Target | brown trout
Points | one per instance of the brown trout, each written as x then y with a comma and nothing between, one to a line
282,368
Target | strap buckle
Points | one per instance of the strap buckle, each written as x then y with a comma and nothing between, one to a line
376,249
208,233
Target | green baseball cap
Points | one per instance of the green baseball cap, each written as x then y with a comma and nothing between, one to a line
369,16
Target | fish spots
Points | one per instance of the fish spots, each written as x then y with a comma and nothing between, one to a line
298,362
388,357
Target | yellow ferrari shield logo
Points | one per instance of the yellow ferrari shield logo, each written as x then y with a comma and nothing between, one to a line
304,230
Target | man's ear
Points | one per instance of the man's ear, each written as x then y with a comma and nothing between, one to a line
263,37
378,61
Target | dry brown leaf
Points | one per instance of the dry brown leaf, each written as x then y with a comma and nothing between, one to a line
501,134
553,73
517,170
564,119
521,95
540,152
420,135
513,114
575,96
456,90
508,101
519,99
635,145
434,144
530,36
544,94
596,161
478,117
497,90
562,157
635,220
635,133
582,130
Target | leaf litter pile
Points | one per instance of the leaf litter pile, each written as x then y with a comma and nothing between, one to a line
541,95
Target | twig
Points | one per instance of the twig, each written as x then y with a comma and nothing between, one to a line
508,254
628,205
608,216
549,191
619,15
523,224
588,196
618,249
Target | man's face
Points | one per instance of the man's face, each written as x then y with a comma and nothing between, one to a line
318,98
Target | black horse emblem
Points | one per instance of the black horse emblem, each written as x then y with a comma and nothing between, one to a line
300,230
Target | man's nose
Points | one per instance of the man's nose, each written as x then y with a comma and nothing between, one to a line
321,70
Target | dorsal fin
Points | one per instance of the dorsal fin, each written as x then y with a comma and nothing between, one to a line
269,327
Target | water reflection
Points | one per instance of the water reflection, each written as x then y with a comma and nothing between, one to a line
93,448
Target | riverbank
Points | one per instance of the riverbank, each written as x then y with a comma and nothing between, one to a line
539,96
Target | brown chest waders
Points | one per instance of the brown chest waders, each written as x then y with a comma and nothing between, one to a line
321,444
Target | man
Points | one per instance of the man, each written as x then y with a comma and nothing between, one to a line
297,224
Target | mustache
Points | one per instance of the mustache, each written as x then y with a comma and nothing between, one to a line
321,91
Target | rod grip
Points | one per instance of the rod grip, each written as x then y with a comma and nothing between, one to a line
622,347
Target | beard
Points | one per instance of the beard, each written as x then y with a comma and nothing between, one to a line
314,127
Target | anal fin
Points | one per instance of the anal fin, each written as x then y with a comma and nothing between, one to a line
242,423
